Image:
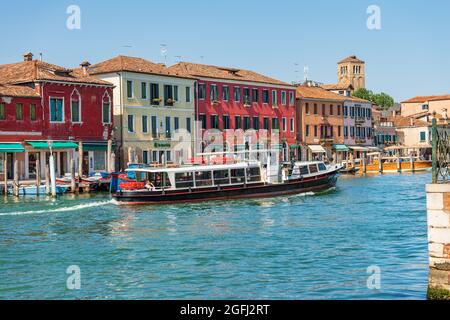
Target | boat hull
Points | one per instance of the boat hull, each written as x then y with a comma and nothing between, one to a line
392,167
230,192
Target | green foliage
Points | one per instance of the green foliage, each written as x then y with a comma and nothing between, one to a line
380,99
438,294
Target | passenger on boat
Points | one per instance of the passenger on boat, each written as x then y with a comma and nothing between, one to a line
149,186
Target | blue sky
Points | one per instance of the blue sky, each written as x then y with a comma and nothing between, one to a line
409,56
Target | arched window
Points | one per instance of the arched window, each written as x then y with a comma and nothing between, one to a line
75,106
106,108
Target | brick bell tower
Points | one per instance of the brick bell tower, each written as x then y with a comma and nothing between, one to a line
351,70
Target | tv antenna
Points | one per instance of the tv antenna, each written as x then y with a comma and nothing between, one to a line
164,52
306,72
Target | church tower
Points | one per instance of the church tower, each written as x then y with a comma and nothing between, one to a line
351,70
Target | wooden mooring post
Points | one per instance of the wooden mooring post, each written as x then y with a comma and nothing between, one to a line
380,163
38,176
47,180
16,178
399,164
5,166
73,183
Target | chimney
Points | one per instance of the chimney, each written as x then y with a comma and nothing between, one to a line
28,57
84,66
412,122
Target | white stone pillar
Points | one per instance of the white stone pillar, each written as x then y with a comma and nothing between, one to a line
438,208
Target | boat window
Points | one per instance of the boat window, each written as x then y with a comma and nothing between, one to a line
322,167
184,180
304,170
221,177
160,180
313,168
203,179
253,175
238,176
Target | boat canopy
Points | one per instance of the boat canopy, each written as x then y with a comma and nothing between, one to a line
317,149
233,166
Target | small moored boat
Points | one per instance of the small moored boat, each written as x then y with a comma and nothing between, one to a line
150,185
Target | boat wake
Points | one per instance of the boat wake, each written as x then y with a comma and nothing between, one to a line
58,210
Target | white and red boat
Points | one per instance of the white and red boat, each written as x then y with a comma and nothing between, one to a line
163,185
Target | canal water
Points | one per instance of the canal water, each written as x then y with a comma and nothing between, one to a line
300,247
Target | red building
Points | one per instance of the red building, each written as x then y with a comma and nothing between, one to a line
41,102
228,98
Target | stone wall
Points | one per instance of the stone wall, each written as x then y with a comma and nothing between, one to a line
438,206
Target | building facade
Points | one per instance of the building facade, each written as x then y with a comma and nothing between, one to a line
236,99
45,106
426,106
152,104
358,127
320,117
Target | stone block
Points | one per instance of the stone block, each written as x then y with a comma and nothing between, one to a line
439,235
438,219
436,250
438,188
435,201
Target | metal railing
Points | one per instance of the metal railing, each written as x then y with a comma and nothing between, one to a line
441,152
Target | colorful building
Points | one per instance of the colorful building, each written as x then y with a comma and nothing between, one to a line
44,105
151,103
426,106
320,117
358,126
231,98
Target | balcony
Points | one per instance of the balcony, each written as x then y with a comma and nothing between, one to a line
162,136
325,139
360,120
360,141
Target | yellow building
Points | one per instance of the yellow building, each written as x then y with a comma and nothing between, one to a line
151,103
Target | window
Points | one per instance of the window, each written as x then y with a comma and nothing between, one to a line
324,113
255,95
292,124
214,122
315,131
304,170
168,128
313,168
256,123
168,94
2,111
184,180
266,123
145,158
188,125
265,96
237,94
274,98
238,176
315,109
99,160
106,112
225,93
226,122
203,179
283,120
175,93
154,93
202,91
253,175
345,111
214,93
291,98
246,96
307,108
322,167
176,123
425,107
188,94
307,130
75,109
202,119
130,123
144,90
331,110
144,124
56,110
246,123
423,136
32,112
237,122
275,124
154,126
130,89
339,131
283,98
338,110
19,111
221,177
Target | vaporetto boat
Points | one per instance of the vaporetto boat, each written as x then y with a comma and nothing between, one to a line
164,185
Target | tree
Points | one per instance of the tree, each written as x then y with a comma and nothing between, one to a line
382,99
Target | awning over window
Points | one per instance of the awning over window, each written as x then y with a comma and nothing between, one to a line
95,146
340,147
11,147
55,144
317,149
360,149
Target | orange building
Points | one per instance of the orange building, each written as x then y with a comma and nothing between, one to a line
320,119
